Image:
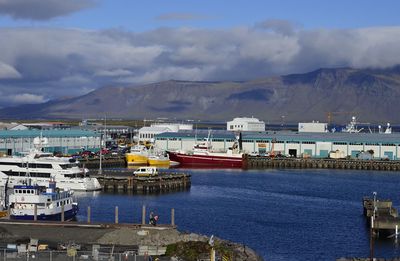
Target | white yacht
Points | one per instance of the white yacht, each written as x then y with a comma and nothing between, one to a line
41,167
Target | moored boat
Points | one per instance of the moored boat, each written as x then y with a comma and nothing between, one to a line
138,155
48,203
158,159
202,155
41,167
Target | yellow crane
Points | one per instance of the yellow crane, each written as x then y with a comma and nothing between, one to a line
330,114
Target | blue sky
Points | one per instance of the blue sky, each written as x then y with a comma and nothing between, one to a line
142,15
54,48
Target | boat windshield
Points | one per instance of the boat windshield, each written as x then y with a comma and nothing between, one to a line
68,166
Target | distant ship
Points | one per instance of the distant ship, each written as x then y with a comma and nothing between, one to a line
202,155
49,203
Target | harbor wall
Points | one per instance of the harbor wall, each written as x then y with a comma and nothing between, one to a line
125,181
253,162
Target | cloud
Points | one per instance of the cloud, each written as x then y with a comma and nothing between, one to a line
8,72
279,26
181,17
27,98
52,63
42,9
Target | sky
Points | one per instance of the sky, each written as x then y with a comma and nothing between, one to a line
52,49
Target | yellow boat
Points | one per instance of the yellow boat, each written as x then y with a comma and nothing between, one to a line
158,160
138,155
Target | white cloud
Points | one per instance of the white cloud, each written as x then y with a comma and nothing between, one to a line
61,62
8,72
27,98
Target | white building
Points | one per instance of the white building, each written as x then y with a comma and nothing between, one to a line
148,133
245,124
313,127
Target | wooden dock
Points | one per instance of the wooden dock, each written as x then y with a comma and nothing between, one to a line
386,217
125,181
110,162
253,162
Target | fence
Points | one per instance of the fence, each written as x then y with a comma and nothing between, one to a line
72,255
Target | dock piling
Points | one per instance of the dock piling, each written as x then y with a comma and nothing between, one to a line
173,217
62,213
143,215
35,213
88,214
116,214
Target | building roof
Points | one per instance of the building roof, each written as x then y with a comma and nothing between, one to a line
291,136
246,119
154,129
46,133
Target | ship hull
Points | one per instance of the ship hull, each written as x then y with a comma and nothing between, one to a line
158,162
135,159
191,160
68,215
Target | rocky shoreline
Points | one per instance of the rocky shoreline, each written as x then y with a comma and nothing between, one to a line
184,245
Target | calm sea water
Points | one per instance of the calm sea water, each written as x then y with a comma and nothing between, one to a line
282,214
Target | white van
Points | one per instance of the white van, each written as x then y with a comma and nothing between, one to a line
146,172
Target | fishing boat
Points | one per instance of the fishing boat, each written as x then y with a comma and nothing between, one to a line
158,159
202,155
138,155
48,203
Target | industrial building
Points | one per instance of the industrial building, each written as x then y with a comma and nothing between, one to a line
245,124
64,141
296,144
148,133
313,127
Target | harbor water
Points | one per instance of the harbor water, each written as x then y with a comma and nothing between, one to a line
282,214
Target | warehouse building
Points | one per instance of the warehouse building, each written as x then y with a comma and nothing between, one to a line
245,124
296,144
64,141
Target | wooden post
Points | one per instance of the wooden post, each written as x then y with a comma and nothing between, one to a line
173,217
143,214
116,214
35,213
88,214
62,213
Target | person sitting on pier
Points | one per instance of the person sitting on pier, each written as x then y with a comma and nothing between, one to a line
151,218
155,220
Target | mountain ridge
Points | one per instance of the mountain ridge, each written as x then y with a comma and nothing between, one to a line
371,94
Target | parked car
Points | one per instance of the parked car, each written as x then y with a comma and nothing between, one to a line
86,154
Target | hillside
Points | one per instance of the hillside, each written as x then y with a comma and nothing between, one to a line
371,95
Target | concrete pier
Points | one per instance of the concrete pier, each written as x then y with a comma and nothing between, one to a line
385,216
253,162
111,162
124,181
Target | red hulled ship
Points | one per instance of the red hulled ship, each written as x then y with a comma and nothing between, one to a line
202,155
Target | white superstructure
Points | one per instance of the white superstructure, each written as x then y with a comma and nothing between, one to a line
41,167
245,124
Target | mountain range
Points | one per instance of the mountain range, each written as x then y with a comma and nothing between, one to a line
372,95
